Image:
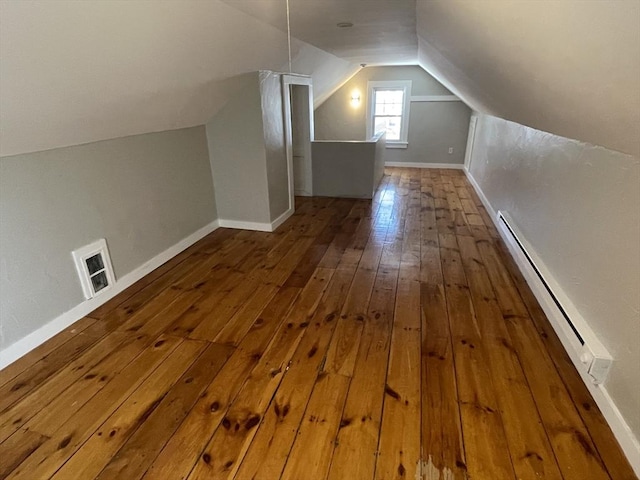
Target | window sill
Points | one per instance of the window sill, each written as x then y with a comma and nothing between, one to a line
397,145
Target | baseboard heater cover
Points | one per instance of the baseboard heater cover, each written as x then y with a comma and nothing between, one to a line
575,333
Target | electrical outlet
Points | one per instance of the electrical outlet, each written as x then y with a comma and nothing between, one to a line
450,150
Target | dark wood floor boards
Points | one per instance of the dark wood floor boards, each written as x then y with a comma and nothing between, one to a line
384,339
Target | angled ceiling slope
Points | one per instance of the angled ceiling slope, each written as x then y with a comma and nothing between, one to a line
382,31
77,72
571,68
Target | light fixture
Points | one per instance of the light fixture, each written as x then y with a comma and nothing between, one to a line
355,98
344,25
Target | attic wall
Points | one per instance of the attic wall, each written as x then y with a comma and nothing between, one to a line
579,207
143,194
79,72
237,153
567,67
274,142
433,126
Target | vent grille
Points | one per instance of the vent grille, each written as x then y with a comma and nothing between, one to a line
93,265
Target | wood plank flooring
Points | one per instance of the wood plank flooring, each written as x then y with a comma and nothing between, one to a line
384,339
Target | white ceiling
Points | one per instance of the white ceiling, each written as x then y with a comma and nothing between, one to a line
383,32
75,72
569,67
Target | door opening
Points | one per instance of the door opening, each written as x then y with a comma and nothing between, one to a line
297,92
300,140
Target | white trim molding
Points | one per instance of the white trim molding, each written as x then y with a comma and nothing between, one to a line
471,136
257,226
23,346
620,428
289,79
435,98
455,166
281,219
242,225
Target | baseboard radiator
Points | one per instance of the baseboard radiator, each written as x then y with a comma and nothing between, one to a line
587,352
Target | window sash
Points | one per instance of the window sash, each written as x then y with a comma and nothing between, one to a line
388,109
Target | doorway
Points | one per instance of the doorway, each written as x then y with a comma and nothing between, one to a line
300,140
298,106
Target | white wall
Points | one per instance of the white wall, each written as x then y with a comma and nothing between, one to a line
143,194
578,205
570,67
77,72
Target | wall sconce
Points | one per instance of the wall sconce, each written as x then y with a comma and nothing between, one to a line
355,98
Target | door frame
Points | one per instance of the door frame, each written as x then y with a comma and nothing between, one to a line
289,79
471,138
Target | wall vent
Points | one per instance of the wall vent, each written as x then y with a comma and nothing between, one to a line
585,349
94,268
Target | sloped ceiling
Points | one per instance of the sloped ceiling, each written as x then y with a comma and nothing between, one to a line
567,67
74,72
383,31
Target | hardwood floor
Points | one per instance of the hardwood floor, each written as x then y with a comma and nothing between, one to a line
392,339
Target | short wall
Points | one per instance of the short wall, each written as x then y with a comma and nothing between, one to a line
349,169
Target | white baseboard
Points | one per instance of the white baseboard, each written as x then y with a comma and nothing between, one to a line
492,213
257,226
626,438
620,428
44,333
240,225
281,219
455,166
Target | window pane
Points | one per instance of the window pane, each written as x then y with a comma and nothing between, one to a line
391,125
391,109
388,102
389,96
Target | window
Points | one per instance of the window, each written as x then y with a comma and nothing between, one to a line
388,111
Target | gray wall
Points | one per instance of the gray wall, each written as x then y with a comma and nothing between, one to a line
237,150
348,169
578,206
433,126
143,194
247,151
274,141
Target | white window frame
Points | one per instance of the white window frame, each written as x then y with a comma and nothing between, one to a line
405,85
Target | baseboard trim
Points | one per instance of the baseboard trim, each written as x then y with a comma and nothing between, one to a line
281,219
23,346
240,225
492,213
621,430
455,166
257,226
